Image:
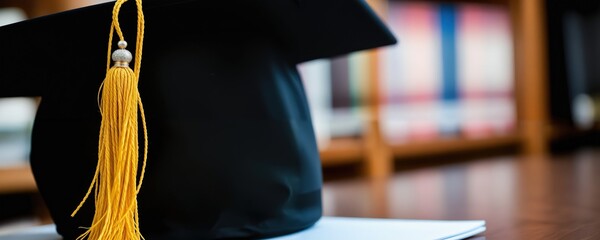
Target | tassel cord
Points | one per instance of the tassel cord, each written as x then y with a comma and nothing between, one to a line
114,183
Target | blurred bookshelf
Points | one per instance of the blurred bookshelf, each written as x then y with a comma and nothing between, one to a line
466,76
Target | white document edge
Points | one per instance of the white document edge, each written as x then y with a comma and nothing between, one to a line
48,232
467,234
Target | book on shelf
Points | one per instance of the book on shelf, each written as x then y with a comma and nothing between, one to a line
346,96
486,74
411,73
580,40
574,80
336,92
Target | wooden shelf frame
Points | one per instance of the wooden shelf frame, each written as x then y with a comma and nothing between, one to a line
455,145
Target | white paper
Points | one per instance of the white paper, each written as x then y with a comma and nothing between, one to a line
330,228
333,228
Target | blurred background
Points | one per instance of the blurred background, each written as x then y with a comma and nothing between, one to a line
480,99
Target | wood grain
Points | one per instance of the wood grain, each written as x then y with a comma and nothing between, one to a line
552,197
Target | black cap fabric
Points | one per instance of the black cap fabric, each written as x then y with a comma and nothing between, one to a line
232,152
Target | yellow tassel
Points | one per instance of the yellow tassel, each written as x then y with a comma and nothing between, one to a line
116,181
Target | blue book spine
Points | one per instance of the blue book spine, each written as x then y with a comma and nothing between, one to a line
449,108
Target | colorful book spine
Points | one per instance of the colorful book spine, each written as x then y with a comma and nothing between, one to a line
412,73
449,106
485,69
346,96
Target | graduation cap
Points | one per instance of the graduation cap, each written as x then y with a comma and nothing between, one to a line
231,150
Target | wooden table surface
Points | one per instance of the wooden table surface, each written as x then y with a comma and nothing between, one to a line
554,197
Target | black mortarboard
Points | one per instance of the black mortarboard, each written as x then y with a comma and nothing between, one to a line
231,147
